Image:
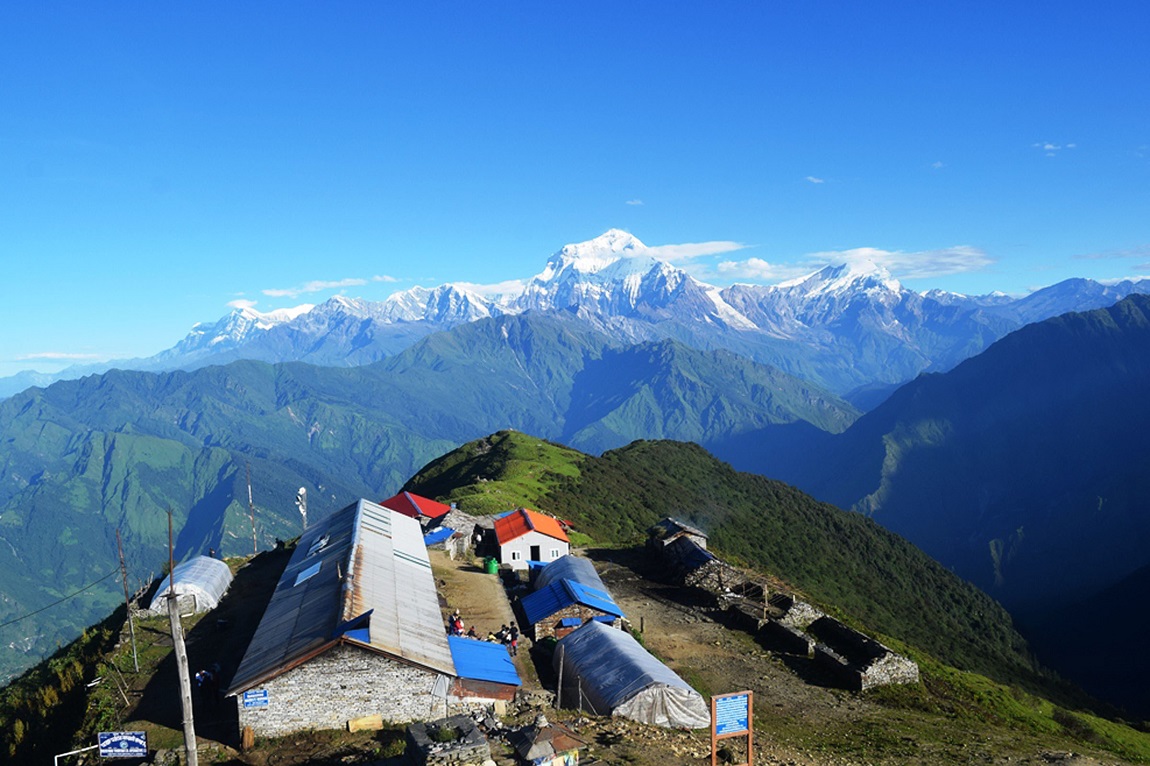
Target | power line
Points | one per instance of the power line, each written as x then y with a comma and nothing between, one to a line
61,601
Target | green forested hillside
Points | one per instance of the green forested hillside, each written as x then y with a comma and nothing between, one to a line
84,458
836,558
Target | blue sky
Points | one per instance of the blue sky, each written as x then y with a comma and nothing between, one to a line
159,163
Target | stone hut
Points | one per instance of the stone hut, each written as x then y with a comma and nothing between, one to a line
561,606
669,530
857,660
353,630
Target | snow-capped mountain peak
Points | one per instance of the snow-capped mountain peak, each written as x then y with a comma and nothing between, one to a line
850,276
594,255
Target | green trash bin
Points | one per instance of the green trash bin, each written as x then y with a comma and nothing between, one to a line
490,565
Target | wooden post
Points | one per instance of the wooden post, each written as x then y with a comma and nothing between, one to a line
181,659
559,686
127,603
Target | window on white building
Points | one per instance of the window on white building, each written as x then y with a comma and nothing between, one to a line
516,555
554,553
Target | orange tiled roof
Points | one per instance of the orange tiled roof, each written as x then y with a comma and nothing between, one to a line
522,521
413,505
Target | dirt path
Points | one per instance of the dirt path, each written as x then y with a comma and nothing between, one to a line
481,600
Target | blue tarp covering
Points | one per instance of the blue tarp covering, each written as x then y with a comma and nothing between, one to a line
570,622
574,568
482,661
437,535
558,595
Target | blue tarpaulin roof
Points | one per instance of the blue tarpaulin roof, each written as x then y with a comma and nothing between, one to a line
558,595
570,567
570,622
437,535
482,661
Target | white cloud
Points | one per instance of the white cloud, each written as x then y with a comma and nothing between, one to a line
59,356
937,165
634,202
1139,252
241,303
759,269
1050,148
499,288
689,250
314,286
384,278
816,180
921,264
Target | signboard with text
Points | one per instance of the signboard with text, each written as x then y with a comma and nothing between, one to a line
256,698
732,715
123,744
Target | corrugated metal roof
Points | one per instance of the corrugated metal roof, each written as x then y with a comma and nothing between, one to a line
547,601
483,661
671,526
370,559
521,521
411,504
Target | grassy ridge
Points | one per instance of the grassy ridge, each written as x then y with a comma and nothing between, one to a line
839,559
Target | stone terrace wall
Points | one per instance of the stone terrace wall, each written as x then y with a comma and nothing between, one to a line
859,660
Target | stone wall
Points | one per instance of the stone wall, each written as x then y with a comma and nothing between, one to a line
343,683
783,621
548,625
858,659
795,613
469,746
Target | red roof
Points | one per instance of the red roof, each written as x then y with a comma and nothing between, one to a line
520,522
410,504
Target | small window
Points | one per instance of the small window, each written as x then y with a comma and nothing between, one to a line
516,555
554,553
308,573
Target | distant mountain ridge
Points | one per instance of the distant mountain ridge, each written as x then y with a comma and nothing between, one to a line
843,327
1025,469
84,458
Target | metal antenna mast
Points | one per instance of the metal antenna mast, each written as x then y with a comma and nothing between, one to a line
301,502
252,511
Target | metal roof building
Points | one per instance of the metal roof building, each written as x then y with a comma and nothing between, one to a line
353,629
559,607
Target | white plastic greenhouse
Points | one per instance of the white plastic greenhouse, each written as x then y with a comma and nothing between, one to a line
200,583
606,671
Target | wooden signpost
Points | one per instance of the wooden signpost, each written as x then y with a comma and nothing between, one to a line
732,715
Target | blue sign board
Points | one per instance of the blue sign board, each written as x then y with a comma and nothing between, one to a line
123,744
731,715
256,698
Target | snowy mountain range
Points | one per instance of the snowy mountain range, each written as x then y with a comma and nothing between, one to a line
849,328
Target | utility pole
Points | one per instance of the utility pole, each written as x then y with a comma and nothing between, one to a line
181,658
127,602
252,511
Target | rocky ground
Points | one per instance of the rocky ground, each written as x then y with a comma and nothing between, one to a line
801,719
